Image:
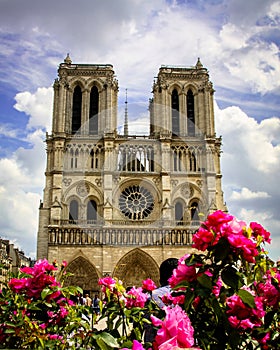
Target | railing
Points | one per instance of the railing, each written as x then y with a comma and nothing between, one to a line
83,223
119,236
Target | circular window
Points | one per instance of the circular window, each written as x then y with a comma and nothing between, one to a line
136,202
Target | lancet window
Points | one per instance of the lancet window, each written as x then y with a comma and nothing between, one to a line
190,113
186,159
93,111
192,160
74,155
77,110
136,158
175,112
195,213
91,211
95,158
73,211
179,213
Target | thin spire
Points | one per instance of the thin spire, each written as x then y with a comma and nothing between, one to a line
125,116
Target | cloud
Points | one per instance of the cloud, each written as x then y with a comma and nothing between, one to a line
254,144
250,166
245,194
37,105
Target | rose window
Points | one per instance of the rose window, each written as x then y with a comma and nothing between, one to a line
136,202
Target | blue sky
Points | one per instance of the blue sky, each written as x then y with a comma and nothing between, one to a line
237,41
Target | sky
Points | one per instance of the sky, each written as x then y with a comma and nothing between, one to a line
237,41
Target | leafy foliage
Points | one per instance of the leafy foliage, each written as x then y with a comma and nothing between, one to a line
225,295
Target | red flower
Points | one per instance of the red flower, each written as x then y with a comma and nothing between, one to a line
259,231
148,285
243,316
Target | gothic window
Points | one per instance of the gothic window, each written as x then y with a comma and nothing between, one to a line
72,159
175,160
136,158
179,159
93,111
151,159
136,202
179,213
190,113
76,159
73,211
193,164
93,159
91,210
175,112
195,213
77,110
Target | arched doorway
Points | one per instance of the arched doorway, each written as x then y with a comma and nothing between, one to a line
135,267
84,275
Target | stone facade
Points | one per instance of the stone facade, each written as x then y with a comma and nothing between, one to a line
119,204
11,260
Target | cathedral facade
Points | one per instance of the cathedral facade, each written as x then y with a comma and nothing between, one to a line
119,204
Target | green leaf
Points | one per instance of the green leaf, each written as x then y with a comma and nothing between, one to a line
101,344
247,298
205,281
108,339
189,297
230,277
45,292
9,330
221,250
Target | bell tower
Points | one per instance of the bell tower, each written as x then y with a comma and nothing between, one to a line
120,204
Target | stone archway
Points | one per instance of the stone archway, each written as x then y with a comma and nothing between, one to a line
135,267
84,275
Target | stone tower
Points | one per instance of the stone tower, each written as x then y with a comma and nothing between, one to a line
121,204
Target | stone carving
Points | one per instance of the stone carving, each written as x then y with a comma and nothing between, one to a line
82,189
187,191
67,181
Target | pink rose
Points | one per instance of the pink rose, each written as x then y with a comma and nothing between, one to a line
258,230
175,329
107,282
243,316
182,273
148,285
136,298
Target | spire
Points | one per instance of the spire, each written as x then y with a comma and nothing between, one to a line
125,128
198,65
67,59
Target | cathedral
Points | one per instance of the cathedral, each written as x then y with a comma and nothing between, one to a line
119,204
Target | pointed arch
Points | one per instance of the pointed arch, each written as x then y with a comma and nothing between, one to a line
83,274
195,210
73,211
76,110
135,267
179,213
93,111
175,112
91,210
190,113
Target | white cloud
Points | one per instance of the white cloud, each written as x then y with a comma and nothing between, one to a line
253,143
250,167
38,106
245,194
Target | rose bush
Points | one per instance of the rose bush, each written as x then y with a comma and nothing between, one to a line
225,295
37,312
